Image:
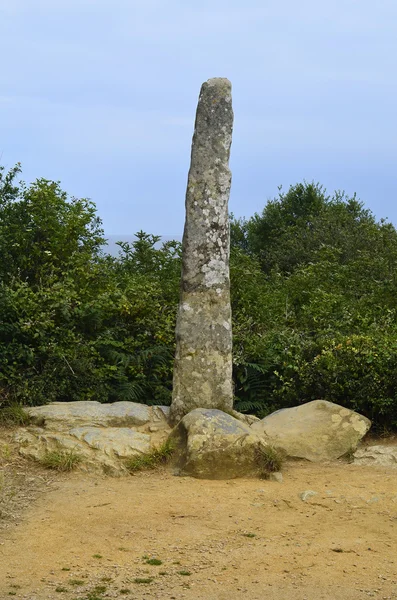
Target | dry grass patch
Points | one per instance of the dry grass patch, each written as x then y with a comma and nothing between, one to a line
14,416
151,460
61,460
269,460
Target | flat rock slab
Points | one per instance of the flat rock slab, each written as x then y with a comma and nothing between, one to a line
64,415
114,441
383,456
317,431
212,444
104,435
97,447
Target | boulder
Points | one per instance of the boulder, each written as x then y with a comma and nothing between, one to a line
317,431
98,448
104,435
383,456
65,415
211,444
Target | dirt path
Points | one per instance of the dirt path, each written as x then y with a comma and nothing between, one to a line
216,539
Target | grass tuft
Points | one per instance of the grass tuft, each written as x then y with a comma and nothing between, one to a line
61,460
99,589
13,416
269,459
143,579
185,573
151,460
96,593
76,582
154,561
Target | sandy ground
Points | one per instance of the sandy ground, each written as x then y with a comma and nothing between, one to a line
88,537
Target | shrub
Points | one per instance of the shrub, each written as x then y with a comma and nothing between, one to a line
357,371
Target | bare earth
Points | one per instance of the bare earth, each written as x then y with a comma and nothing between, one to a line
216,539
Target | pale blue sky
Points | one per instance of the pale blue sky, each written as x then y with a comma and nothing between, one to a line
102,96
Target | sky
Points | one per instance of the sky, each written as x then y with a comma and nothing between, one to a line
101,95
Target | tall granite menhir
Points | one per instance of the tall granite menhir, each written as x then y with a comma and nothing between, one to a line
203,359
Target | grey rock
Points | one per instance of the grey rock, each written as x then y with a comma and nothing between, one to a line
203,358
307,494
248,419
373,500
104,435
376,455
161,412
64,415
317,431
277,476
36,443
214,445
119,441
98,448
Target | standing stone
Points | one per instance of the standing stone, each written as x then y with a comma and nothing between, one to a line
203,359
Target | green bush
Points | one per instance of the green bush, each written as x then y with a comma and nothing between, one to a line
76,324
314,288
359,372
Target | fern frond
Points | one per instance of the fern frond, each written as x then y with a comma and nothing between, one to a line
130,390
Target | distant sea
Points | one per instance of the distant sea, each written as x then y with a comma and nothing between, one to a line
112,248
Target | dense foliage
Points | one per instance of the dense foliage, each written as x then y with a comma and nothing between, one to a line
322,310
314,295
76,324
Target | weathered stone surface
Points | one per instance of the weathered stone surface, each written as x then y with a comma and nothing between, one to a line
99,448
120,441
64,415
36,443
383,456
214,445
317,431
247,419
306,495
203,359
103,434
277,476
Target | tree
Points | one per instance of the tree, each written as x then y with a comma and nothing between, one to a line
296,225
43,233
